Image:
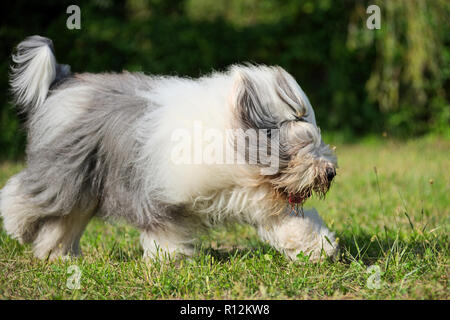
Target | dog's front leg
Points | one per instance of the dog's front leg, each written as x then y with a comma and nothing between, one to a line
292,234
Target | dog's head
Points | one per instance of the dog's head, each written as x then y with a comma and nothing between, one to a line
269,98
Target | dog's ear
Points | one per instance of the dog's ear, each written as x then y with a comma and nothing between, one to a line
250,108
293,96
284,83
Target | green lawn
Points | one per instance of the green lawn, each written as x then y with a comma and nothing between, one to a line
395,218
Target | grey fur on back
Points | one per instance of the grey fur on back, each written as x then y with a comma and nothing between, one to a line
93,159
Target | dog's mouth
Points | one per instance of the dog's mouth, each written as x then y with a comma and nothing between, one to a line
319,188
299,198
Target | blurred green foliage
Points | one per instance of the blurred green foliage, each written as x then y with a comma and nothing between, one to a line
394,80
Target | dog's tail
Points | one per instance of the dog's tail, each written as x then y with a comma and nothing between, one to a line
33,72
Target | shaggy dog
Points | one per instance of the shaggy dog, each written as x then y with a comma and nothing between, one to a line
149,150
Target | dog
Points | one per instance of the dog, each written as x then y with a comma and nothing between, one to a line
109,145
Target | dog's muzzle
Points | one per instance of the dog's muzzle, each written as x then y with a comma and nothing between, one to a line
331,173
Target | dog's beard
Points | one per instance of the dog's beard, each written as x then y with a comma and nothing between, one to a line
300,197
303,177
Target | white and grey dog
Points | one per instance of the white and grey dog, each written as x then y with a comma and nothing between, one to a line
104,145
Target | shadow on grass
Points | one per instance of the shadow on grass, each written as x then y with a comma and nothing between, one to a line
238,253
362,247
368,248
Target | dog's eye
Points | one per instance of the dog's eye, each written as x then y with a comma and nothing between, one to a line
301,116
302,119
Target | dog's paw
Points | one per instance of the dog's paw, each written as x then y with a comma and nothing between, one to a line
305,236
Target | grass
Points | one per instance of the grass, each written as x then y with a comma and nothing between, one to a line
394,217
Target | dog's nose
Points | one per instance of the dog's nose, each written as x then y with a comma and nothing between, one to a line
331,172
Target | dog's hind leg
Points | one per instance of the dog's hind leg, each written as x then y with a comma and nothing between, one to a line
60,236
51,235
20,216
